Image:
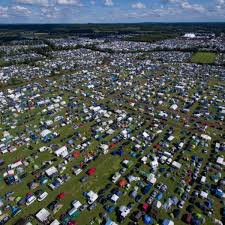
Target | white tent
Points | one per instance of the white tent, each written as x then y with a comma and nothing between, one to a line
204,194
43,215
52,170
55,222
62,151
76,204
114,198
92,196
46,132
176,165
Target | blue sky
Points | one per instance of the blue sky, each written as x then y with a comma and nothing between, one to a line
111,11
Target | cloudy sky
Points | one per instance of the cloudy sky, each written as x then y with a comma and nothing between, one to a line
111,11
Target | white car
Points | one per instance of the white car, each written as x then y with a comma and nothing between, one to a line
30,200
42,196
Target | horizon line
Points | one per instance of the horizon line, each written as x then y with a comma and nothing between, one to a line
177,22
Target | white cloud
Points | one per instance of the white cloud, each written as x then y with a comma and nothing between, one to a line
138,5
69,2
20,10
186,5
93,2
49,12
3,11
33,2
220,4
193,7
108,3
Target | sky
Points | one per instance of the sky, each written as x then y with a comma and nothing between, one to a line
111,11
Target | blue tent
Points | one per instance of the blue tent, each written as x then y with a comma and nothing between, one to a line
133,154
114,152
15,210
208,204
159,196
70,142
195,220
120,152
148,219
166,222
109,209
194,158
219,193
109,222
114,78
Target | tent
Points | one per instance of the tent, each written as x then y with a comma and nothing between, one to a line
145,206
61,195
187,218
167,222
122,183
76,154
43,215
114,198
157,146
62,151
15,210
72,223
120,152
91,171
148,219
55,222
45,133
113,145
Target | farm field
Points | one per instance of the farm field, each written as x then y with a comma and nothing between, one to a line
204,57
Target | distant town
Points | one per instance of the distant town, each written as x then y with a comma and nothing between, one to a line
112,127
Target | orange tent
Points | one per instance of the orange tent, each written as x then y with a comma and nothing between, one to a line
113,145
122,183
76,154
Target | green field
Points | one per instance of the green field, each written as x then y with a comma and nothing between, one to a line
204,57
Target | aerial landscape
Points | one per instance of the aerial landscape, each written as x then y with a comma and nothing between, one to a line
112,120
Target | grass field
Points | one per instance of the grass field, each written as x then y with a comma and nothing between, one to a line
204,57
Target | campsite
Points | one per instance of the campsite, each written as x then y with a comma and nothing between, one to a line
124,132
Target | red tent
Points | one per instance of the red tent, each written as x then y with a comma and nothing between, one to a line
113,145
157,146
72,223
91,171
187,218
145,207
122,183
61,195
76,154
